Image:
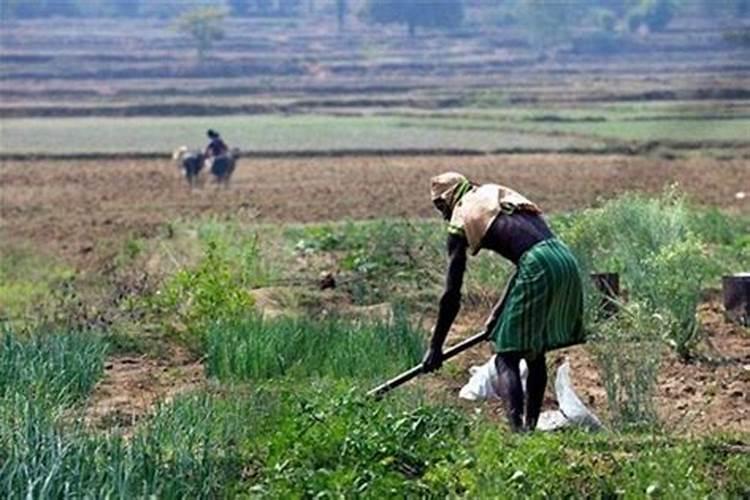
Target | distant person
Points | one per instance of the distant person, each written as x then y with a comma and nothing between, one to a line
219,158
542,308
216,147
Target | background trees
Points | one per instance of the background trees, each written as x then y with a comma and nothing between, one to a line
204,26
416,13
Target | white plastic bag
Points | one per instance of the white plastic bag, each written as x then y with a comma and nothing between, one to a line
571,406
483,381
572,412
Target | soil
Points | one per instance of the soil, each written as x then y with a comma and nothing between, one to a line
132,386
83,210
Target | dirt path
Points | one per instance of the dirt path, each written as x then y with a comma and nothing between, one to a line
132,386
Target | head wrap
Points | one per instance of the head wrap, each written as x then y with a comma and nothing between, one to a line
449,187
474,208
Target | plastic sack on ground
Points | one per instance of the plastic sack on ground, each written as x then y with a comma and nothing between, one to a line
483,380
571,407
571,412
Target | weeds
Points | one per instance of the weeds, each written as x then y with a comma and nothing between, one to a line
254,348
193,299
320,440
26,280
627,351
381,258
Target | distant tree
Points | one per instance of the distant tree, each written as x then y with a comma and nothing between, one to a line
289,7
38,8
204,25
549,22
341,10
264,7
416,13
738,8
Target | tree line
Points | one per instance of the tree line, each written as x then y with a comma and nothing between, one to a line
547,21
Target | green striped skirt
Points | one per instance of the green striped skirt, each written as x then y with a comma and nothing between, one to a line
544,306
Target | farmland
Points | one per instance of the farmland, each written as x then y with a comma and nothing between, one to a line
163,341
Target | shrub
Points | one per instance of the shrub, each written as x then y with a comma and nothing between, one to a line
213,291
628,353
662,262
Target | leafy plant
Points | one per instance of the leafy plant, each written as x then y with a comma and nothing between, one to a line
213,291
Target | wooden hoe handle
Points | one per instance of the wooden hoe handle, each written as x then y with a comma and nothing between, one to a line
401,379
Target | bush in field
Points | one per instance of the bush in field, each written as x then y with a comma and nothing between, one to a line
214,290
255,348
627,349
661,260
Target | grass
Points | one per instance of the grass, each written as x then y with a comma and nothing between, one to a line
304,428
59,367
256,349
265,133
505,127
678,130
26,281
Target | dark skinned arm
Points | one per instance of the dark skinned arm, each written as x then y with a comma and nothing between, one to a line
450,302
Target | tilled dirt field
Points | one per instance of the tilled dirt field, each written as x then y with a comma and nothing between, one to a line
81,210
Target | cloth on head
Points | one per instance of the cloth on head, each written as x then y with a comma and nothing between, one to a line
449,187
480,206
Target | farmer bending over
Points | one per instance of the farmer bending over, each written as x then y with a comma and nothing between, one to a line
542,306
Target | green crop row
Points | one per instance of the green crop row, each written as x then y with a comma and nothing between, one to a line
316,440
253,348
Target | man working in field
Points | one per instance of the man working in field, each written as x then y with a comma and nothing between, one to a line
216,146
542,306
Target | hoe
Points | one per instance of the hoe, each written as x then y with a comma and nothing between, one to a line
401,379
462,346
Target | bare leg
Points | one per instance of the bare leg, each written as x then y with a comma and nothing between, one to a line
509,388
535,385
